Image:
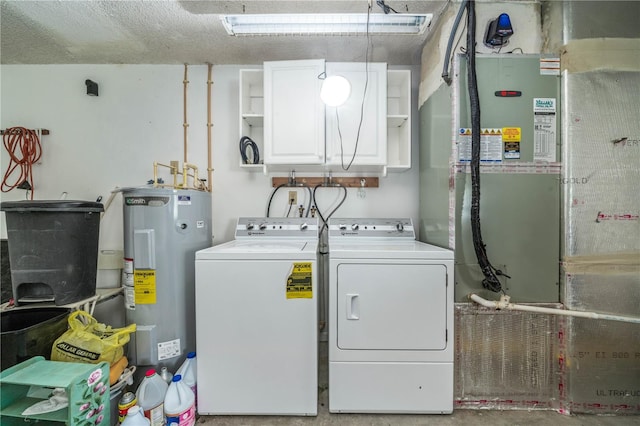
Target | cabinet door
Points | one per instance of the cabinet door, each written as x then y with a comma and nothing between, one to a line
344,127
294,113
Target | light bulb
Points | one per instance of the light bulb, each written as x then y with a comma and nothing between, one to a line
335,90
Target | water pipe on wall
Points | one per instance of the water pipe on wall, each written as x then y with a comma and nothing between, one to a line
186,166
504,303
197,183
185,124
209,125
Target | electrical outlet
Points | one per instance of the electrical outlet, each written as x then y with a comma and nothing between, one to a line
293,197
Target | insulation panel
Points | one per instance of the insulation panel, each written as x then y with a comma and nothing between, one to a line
601,254
507,360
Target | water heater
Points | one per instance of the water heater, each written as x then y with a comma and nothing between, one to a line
163,228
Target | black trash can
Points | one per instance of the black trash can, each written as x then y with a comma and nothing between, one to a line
53,249
30,332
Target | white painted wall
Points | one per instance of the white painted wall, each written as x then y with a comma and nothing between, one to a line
98,143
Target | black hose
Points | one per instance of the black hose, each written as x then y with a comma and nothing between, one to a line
290,185
491,281
310,200
247,142
454,30
272,194
322,218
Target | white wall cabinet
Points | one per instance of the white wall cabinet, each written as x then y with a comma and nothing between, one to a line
281,111
357,130
294,113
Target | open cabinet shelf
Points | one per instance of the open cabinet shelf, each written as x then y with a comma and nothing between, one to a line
252,112
398,119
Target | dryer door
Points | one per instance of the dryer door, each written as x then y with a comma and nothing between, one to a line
391,306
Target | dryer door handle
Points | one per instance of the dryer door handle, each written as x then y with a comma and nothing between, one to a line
353,307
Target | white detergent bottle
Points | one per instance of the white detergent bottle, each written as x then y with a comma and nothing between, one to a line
151,393
188,372
179,404
135,417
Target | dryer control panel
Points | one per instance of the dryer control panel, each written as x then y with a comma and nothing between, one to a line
277,227
396,229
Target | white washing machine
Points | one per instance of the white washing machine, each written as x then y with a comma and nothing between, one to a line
390,319
257,320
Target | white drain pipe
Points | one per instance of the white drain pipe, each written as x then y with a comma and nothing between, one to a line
504,303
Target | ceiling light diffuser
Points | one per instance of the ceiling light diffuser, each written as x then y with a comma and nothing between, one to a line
325,24
335,90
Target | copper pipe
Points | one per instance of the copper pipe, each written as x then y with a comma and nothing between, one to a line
185,124
209,125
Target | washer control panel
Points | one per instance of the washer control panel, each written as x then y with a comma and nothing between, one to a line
277,227
401,228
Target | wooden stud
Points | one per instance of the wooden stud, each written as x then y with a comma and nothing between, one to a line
349,182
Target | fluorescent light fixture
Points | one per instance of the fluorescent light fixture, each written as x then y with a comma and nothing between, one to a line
325,24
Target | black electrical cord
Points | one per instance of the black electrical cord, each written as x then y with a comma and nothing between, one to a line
322,218
490,281
290,185
364,95
272,194
246,142
454,30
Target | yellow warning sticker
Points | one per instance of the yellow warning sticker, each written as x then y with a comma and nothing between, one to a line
299,283
144,284
511,134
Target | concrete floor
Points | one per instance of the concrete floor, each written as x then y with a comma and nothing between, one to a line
459,417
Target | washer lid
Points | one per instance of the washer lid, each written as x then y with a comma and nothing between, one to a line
260,249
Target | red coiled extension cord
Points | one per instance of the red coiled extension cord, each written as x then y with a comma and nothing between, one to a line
23,146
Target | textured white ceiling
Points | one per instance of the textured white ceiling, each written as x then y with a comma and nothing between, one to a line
176,32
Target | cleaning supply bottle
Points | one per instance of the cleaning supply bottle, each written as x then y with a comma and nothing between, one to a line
166,375
151,393
188,372
135,417
179,404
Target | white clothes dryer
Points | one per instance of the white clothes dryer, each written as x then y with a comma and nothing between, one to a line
257,320
390,319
